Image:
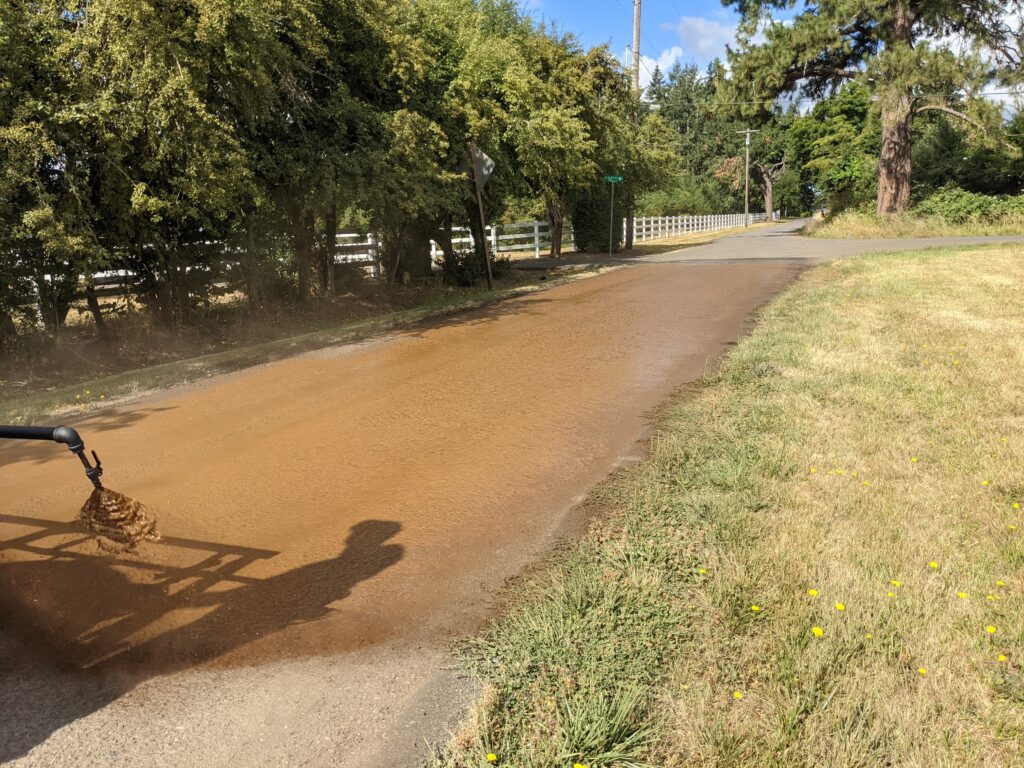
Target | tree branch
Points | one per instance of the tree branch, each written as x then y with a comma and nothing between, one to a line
949,111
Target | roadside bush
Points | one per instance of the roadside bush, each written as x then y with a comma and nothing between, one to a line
465,269
590,214
958,206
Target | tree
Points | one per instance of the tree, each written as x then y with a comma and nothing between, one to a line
896,49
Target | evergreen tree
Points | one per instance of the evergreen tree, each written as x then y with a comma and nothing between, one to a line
895,48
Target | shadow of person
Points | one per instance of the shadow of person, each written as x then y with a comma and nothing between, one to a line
39,694
258,610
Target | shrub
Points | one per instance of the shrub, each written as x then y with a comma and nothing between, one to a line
465,268
590,213
959,206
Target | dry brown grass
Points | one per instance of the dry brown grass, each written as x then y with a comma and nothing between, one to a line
871,426
897,416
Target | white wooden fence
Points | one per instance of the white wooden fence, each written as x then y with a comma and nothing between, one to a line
655,227
524,237
535,236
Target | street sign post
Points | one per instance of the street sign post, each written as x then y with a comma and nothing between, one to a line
483,166
613,180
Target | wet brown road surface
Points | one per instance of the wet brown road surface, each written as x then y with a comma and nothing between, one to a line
333,501
330,522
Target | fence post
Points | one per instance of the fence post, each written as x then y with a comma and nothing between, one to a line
536,239
494,239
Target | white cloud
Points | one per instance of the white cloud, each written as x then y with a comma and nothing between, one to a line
665,60
703,39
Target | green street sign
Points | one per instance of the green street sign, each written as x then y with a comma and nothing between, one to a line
614,179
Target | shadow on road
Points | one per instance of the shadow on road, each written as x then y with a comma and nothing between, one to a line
84,656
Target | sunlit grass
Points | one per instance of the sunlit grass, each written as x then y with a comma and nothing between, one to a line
856,471
854,225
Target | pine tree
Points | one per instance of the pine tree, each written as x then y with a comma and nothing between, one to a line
897,49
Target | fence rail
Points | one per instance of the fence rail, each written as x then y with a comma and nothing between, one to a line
524,237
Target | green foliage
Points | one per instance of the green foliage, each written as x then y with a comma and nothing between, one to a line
900,52
591,219
959,206
136,134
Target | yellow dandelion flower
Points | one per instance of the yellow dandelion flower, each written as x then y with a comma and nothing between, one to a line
922,671
1000,583
890,594
1001,657
840,607
839,471
869,636
817,631
491,757
984,482
933,565
913,459
896,583
578,765
814,470
961,595
755,608
1012,527
990,598
1016,505
737,695
853,474
702,571
812,592
865,483
990,629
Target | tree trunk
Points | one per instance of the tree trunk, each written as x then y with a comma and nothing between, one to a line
556,221
769,196
251,263
330,249
91,301
303,243
894,161
897,120
630,217
444,238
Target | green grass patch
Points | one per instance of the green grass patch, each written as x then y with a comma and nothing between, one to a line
821,563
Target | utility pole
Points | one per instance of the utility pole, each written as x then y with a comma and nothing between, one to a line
746,175
636,45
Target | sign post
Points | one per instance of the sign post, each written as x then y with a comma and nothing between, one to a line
613,180
483,166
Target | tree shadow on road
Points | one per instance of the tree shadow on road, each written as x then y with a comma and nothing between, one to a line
100,609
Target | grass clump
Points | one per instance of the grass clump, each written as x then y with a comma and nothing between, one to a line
819,564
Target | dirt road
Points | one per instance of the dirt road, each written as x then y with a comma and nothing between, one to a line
330,523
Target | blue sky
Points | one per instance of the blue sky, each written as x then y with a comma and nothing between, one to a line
671,30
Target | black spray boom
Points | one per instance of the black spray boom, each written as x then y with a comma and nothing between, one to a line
65,435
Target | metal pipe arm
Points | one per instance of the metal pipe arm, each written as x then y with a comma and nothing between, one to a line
66,435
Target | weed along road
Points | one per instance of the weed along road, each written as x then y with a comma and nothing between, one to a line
331,522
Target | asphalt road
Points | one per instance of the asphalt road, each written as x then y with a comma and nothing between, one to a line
333,521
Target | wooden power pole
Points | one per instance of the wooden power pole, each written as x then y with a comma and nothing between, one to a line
636,45
746,175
